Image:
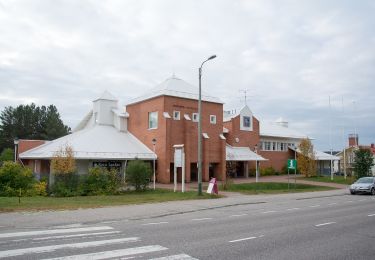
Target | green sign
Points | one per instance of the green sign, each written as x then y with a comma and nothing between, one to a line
292,164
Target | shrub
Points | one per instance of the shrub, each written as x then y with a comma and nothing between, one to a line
138,175
13,178
267,171
67,185
38,189
6,155
101,181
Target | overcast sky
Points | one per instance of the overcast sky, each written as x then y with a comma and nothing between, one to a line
291,56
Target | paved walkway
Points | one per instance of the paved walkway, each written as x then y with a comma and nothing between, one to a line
193,186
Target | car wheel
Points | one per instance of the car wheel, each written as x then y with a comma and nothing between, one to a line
352,192
372,191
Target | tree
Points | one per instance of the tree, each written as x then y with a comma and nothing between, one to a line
306,158
63,161
363,161
7,155
30,122
63,169
138,175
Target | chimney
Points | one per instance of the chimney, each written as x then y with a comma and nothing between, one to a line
353,140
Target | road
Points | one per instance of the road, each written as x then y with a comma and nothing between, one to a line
338,226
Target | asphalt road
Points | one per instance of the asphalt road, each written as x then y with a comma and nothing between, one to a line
327,227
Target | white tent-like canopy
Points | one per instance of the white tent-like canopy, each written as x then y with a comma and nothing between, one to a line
242,154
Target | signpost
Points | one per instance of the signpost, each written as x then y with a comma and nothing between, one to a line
292,165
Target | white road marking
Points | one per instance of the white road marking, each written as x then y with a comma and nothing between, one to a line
362,200
314,206
324,224
110,221
270,211
371,215
330,204
77,235
200,219
154,223
44,249
239,215
114,253
349,201
243,239
176,257
293,209
53,231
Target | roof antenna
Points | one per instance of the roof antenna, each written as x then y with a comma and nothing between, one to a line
245,93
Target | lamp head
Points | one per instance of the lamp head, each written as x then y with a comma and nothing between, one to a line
212,57
153,141
16,141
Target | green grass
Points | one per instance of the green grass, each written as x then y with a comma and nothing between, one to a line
273,188
336,179
8,204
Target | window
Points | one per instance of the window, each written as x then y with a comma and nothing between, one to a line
282,146
176,115
212,119
247,121
267,146
274,146
195,117
152,120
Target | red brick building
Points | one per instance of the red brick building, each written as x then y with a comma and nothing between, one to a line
169,114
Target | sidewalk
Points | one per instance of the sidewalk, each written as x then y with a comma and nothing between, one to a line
193,186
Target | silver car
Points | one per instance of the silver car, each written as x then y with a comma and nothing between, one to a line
363,185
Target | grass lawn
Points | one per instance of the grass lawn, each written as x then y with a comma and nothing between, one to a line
8,204
273,187
336,179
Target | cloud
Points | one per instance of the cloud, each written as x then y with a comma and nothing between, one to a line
290,55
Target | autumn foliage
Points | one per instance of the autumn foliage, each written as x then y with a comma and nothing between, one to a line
306,158
63,161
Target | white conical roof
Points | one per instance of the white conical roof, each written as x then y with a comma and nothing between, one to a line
106,96
176,87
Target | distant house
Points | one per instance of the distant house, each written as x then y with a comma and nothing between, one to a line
347,155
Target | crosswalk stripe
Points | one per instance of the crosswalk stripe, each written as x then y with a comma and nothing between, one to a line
113,253
53,231
77,235
176,257
44,249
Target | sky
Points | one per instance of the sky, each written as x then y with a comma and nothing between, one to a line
310,62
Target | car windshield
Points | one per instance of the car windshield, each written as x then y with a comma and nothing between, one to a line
365,180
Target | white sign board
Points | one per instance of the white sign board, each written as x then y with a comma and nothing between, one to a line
210,187
178,158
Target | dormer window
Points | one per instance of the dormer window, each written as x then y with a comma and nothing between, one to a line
247,121
176,115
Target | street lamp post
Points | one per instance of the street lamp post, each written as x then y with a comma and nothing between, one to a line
200,127
16,142
153,144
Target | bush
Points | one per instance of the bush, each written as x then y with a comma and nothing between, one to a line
138,175
267,171
67,185
101,181
38,189
6,155
13,178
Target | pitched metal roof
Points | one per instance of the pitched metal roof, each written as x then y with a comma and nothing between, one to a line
176,87
97,142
